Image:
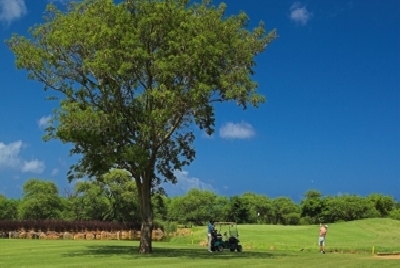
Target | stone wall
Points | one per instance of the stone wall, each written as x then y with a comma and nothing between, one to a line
88,235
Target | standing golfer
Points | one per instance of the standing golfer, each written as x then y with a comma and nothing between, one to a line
322,234
210,229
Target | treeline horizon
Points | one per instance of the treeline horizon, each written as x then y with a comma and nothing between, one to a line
114,199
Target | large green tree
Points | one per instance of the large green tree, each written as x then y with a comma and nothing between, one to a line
40,200
134,77
197,206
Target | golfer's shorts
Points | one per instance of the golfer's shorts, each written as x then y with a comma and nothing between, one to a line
321,241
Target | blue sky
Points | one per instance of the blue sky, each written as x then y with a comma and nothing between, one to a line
331,121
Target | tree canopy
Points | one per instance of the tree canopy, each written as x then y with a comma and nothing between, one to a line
133,78
41,200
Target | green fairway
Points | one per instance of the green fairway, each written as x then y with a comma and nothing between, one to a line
361,236
37,253
180,253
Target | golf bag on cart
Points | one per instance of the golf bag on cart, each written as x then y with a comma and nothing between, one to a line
216,239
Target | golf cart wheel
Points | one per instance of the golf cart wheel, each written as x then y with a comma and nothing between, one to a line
239,248
232,249
220,248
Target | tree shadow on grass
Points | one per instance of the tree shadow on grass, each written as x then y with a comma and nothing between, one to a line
131,252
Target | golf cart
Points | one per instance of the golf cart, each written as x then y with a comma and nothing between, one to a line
230,238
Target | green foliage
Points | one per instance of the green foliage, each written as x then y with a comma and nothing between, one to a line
170,227
8,208
133,78
160,206
307,220
383,204
196,206
348,208
292,218
40,201
311,206
134,75
259,208
122,195
90,202
285,211
395,214
114,198
238,212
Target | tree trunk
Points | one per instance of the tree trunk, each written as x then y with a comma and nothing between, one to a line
146,209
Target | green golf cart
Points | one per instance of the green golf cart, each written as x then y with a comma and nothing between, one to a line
230,238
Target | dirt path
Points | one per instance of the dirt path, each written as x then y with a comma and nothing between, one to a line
390,257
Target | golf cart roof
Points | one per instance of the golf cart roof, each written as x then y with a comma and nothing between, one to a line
225,223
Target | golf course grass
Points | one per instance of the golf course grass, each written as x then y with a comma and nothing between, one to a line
294,248
360,236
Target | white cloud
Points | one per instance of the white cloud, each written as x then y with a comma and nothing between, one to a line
11,10
237,131
185,183
54,172
44,121
9,154
34,166
10,158
299,13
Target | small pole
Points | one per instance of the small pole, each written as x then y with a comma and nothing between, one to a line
373,250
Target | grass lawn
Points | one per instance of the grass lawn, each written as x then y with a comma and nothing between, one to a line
360,236
41,253
180,253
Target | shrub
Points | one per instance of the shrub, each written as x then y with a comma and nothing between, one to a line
395,214
170,227
292,218
307,220
166,226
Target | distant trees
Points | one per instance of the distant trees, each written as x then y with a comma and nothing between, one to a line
383,204
348,208
395,214
40,201
113,198
196,206
286,212
311,206
259,208
8,208
90,203
237,210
